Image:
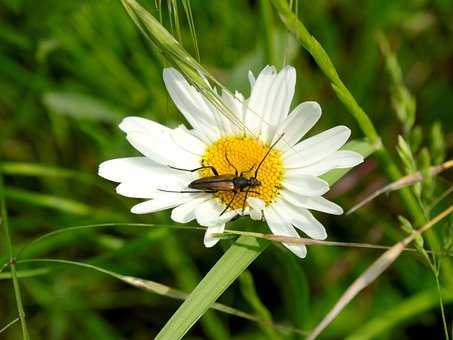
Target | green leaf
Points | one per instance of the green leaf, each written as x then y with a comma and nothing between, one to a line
296,295
402,100
416,305
80,106
235,260
437,143
416,138
251,296
428,179
405,153
61,204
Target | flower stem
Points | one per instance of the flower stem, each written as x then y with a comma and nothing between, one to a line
441,303
9,248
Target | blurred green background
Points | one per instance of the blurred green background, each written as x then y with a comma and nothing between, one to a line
71,70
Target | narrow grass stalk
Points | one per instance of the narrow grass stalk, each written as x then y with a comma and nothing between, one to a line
25,273
191,22
187,276
269,237
373,272
401,183
442,308
9,324
178,57
313,242
162,290
295,26
406,310
235,260
58,231
10,250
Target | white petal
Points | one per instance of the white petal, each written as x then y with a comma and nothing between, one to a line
256,215
279,226
191,104
256,207
162,149
186,212
223,120
208,213
339,160
257,101
302,219
318,203
154,141
237,108
305,184
141,177
157,204
298,123
137,190
143,125
277,102
317,147
210,241
120,169
187,141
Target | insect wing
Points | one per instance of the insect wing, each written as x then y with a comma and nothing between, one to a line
218,183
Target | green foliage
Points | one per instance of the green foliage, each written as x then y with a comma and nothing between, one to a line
250,295
71,70
437,143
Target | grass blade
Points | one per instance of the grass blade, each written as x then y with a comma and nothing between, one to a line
251,296
160,289
178,57
235,260
406,310
62,204
296,27
373,272
12,260
401,183
9,324
25,273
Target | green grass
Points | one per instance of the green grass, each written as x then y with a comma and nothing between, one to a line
71,70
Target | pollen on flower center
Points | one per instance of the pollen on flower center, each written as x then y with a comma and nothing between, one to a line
245,154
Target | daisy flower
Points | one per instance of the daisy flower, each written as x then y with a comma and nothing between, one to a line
288,184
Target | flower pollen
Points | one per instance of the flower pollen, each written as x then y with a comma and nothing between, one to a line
245,154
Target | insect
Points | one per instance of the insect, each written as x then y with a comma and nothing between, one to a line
234,183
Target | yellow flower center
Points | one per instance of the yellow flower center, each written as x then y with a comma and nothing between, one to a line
245,154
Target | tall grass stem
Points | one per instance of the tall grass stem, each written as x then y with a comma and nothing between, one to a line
296,27
10,250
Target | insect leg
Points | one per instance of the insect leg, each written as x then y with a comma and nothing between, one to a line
214,170
229,203
226,157
249,190
245,200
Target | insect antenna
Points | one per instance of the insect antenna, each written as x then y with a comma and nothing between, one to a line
267,153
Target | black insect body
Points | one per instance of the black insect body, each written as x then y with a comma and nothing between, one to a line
231,183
